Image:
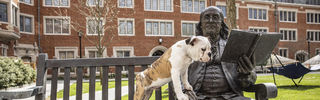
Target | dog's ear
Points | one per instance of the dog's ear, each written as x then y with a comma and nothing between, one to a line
192,41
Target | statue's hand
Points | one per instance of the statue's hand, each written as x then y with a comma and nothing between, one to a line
245,65
190,94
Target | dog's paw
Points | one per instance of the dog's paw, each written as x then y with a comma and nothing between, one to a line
188,87
182,97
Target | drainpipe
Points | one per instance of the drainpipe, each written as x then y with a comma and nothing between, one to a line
39,38
210,2
276,21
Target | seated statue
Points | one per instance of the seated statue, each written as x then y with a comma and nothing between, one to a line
216,80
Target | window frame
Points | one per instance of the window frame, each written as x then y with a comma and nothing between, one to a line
317,49
32,23
118,4
205,6
87,26
123,48
52,5
318,31
258,28
282,48
8,9
126,33
158,6
4,50
55,17
262,7
88,49
220,3
14,15
313,12
194,27
288,10
31,2
159,21
287,29
88,4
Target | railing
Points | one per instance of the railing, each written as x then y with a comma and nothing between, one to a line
44,64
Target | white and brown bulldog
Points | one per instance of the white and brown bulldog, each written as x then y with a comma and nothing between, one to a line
171,65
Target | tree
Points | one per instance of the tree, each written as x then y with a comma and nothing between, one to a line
231,14
101,22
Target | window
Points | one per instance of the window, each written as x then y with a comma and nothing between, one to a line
188,28
158,5
3,12
94,2
224,9
123,52
159,28
4,49
14,16
257,14
287,16
257,29
288,35
92,52
313,2
26,22
66,53
26,1
56,26
317,51
313,18
91,27
126,27
57,3
193,5
314,36
283,52
125,3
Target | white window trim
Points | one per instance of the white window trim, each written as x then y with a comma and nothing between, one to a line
254,6
125,6
288,10
123,48
87,31
144,4
18,13
284,48
205,6
194,22
94,5
32,23
87,49
291,30
31,4
4,46
253,27
133,26
220,3
55,17
44,4
57,49
9,8
314,12
158,20
312,31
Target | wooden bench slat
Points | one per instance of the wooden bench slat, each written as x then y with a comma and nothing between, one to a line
171,93
92,83
158,94
105,82
118,83
54,84
42,75
79,83
66,85
131,81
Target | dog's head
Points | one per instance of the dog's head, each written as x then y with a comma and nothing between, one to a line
199,48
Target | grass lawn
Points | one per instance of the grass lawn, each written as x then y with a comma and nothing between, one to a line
85,88
309,88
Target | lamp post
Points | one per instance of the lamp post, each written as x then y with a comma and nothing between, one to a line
80,35
160,41
308,39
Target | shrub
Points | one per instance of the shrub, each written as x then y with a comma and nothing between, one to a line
15,73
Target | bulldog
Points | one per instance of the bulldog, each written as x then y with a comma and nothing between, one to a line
171,65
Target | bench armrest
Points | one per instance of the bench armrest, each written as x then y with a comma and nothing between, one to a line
263,91
20,94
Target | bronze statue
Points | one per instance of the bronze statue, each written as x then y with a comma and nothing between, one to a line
216,80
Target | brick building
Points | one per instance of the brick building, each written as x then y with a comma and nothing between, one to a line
41,30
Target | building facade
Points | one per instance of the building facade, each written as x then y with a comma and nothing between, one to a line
30,27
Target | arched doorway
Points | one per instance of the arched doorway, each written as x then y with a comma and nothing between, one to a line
158,53
301,56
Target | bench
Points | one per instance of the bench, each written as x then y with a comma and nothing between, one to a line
263,92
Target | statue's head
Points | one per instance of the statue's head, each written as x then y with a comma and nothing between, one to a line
212,23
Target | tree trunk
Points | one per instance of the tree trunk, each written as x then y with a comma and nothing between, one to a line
100,68
231,14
